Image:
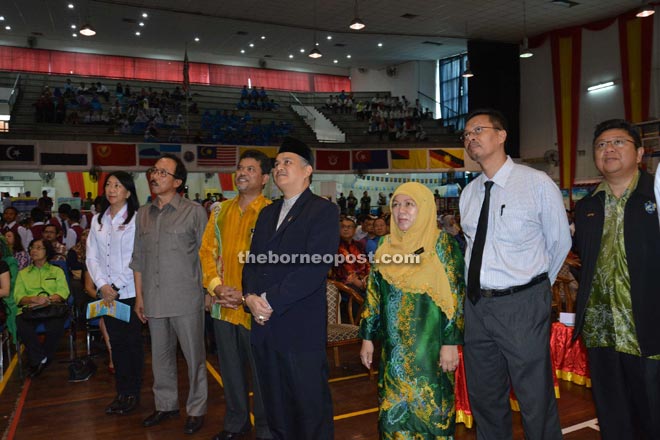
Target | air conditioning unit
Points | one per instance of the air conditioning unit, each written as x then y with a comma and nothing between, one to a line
363,69
262,63
391,71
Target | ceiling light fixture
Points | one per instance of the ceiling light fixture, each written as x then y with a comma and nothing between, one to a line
357,24
524,49
137,33
251,44
2,18
263,37
87,30
242,50
8,28
329,37
601,86
290,55
335,61
196,39
73,26
302,50
348,56
467,73
315,52
646,10
74,35
380,44
70,5
145,15
141,24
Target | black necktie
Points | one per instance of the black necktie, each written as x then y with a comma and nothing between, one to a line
474,271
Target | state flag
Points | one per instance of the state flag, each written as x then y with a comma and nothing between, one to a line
17,153
107,154
447,158
268,151
333,160
224,156
370,159
63,153
408,159
148,154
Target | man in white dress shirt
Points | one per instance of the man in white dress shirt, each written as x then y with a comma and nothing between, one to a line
515,261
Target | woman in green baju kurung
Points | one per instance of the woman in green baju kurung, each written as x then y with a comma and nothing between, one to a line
416,311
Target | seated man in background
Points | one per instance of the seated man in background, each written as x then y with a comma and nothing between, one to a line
59,250
354,270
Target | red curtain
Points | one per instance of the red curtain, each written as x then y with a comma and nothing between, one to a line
102,176
331,83
566,47
119,67
76,182
226,181
636,47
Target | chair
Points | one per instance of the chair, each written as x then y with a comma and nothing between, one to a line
69,323
342,334
562,299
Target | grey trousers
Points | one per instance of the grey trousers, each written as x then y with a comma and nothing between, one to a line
236,361
507,343
189,331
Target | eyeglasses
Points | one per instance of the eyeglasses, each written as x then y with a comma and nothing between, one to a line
160,172
616,143
475,131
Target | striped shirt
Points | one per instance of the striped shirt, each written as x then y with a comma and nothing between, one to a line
527,226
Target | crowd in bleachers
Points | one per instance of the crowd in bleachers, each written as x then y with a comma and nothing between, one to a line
392,117
145,112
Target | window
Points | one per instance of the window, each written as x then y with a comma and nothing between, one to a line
453,91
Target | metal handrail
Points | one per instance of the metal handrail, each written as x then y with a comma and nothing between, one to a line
311,115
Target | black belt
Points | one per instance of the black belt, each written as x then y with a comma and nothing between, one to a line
490,293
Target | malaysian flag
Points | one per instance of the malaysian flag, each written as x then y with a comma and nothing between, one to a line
216,156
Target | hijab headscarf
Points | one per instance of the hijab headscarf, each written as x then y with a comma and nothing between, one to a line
428,277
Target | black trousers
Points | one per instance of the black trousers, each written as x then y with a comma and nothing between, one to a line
626,391
507,343
296,393
27,333
127,351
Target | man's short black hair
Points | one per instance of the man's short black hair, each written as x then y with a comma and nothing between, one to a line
64,208
496,117
265,162
180,172
620,124
37,214
74,215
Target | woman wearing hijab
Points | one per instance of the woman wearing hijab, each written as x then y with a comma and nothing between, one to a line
416,309
109,250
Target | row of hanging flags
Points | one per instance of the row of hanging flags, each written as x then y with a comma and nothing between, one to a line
636,53
103,154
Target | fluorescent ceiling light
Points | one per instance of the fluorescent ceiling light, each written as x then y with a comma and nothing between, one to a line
601,86
87,31
645,11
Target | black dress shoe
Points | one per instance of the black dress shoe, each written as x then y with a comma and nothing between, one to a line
128,404
158,416
193,424
115,404
228,435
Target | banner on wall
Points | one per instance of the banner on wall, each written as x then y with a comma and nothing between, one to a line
224,156
333,160
268,151
63,153
148,154
447,158
17,153
370,160
408,159
108,154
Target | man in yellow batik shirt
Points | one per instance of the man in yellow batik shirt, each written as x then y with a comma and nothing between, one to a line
225,244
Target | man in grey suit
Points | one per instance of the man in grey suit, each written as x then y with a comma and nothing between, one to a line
169,295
